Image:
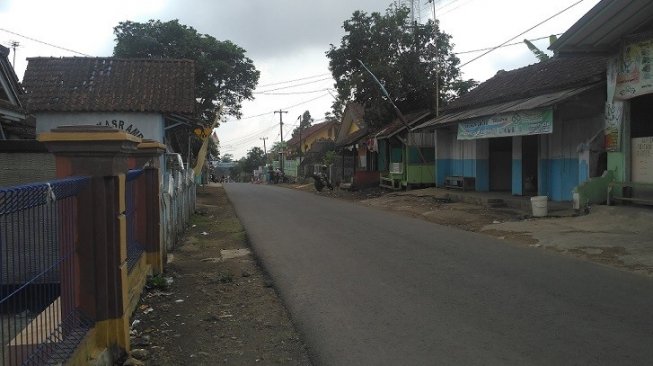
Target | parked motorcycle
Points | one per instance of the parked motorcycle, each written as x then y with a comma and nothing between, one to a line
320,180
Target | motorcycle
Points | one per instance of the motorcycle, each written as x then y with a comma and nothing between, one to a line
320,180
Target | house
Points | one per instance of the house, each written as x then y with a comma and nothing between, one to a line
22,159
406,158
14,122
356,165
622,30
148,98
312,143
530,131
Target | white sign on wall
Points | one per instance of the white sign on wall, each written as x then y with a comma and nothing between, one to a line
126,126
642,160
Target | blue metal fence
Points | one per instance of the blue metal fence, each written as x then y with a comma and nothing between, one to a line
40,322
134,248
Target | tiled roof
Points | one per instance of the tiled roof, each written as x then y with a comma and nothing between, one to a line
78,84
353,138
310,131
544,77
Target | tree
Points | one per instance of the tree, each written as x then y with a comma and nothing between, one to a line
227,158
276,148
255,158
541,55
304,123
407,60
223,74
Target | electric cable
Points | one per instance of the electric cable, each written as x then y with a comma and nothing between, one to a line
45,43
521,34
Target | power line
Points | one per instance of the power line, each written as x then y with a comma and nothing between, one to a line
457,7
292,81
251,135
43,42
295,93
293,86
522,33
289,107
505,45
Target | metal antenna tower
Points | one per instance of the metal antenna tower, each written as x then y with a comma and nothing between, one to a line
415,9
14,45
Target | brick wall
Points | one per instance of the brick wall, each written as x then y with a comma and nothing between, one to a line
25,161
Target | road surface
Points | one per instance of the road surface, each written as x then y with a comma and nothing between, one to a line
370,287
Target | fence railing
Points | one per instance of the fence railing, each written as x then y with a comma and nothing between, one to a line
40,322
178,205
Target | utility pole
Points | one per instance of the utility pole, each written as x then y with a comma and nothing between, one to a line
281,129
300,139
265,150
437,62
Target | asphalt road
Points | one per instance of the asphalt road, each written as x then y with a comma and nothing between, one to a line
369,287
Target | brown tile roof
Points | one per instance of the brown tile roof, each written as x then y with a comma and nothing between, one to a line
544,77
78,84
310,131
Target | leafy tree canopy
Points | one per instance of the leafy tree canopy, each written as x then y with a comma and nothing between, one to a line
223,74
276,148
407,60
304,122
541,55
255,158
227,158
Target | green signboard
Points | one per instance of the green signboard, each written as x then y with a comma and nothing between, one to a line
522,123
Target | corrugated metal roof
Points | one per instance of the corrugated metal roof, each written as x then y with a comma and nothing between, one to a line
601,29
398,125
523,104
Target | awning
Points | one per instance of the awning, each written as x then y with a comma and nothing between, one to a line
524,104
602,28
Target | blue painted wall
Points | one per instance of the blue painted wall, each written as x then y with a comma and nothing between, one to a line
482,175
479,169
442,169
517,187
558,177
583,173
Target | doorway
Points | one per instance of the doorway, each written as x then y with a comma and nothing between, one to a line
641,139
500,161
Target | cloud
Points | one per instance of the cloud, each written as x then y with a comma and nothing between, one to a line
272,28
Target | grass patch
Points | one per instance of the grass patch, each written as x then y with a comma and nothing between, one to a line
157,282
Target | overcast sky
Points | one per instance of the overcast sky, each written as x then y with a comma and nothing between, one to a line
286,39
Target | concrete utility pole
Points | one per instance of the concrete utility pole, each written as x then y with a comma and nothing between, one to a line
265,150
281,129
300,139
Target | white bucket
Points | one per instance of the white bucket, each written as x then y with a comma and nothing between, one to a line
539,204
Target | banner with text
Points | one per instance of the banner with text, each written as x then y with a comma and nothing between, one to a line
634,71
522,123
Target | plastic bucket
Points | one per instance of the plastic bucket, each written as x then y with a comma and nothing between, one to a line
539,205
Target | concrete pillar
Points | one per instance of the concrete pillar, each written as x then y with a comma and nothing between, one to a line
517,174
103,154
149,229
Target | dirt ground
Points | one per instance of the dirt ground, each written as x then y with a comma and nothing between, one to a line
213,305
464,216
